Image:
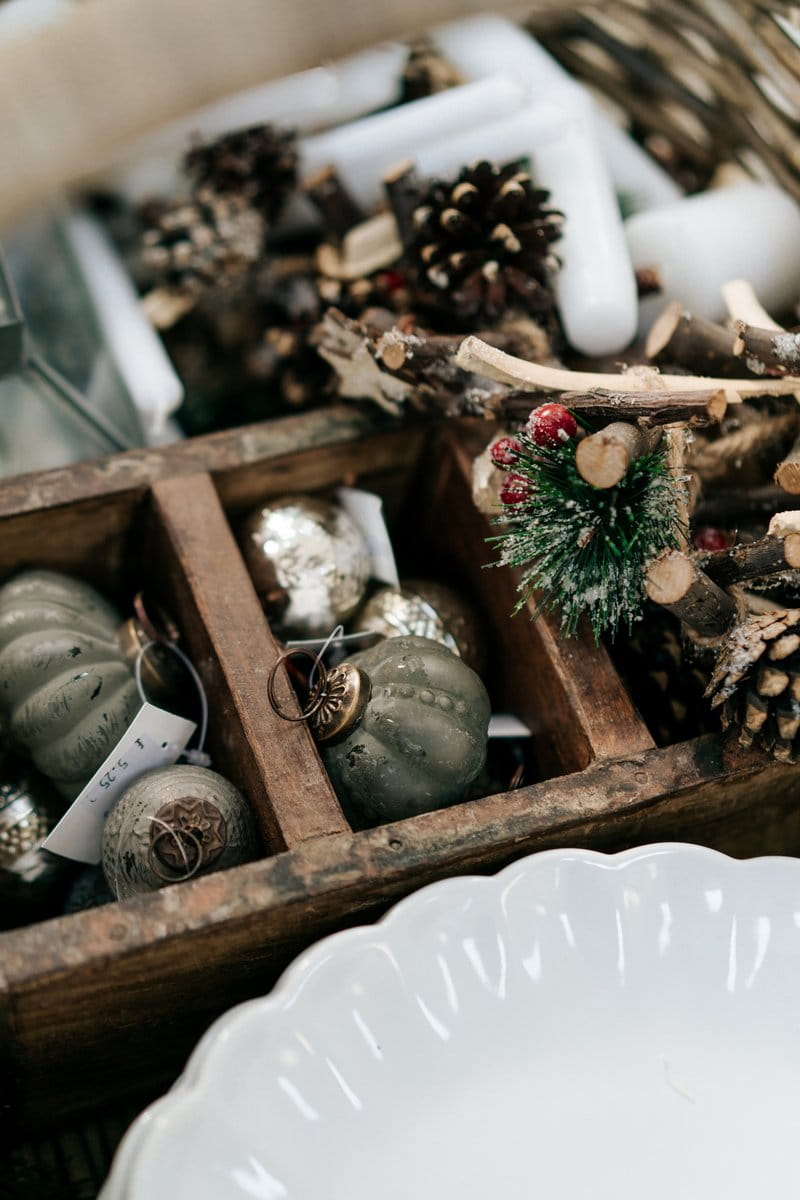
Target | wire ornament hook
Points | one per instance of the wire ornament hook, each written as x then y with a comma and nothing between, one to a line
168,831
318,693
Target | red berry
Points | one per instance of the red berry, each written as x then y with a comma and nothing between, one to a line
393,281
515,489
505,452
707,538
551,424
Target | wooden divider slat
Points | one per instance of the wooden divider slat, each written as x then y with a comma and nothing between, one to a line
216,606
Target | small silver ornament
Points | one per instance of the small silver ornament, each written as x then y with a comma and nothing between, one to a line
309,562
29,876
423,608
172,824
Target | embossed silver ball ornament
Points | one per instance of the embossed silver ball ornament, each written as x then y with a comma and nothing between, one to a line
402,728
174,823
309,562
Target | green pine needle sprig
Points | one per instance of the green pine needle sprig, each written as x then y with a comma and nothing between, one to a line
584,549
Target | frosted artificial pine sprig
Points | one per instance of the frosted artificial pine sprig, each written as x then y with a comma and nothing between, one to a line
583,549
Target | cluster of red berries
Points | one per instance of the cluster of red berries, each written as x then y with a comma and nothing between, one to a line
548,425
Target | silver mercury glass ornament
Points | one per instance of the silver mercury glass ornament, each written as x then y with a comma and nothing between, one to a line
424,608
171,824
309,561
31,880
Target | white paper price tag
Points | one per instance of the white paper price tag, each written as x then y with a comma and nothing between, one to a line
366,509
155,738
506,725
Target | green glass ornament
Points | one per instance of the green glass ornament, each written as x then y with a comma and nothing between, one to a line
174,823
64,682
403,729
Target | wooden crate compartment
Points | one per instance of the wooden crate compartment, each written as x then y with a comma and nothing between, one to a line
105,1004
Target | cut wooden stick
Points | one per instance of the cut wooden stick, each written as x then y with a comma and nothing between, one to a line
603,458
770,555
329,195
385,359
773,350
164,307
675,582
600,406
650,408
787,474
684,340
476,356
403,191
365,248
744,305
745,310
686,484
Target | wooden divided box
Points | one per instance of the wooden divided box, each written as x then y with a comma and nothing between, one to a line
105,1004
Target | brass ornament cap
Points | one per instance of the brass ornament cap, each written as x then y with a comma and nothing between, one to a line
337,702
187,835
164,678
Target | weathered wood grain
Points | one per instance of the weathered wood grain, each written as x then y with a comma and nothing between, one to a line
226,632
108,1002
227,455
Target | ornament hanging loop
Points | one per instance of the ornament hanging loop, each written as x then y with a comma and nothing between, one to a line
318,693
336,702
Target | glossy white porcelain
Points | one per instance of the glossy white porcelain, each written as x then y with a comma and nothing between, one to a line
579,1026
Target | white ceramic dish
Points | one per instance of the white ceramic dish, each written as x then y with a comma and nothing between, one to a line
579,1026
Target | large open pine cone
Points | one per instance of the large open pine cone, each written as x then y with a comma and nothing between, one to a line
257,164
757,678
482,242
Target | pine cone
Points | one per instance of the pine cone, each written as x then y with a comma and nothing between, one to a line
259,165
482,243
427,72
211,240
757,679
665,676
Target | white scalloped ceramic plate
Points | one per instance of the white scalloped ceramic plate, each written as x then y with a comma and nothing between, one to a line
579,1026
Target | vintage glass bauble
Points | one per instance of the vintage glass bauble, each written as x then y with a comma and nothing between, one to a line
32,881
424,608
64,683
174,823
418,741
309,562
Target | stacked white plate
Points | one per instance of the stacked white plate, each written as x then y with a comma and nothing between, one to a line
579,1026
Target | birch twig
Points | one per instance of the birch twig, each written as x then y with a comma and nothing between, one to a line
476,356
